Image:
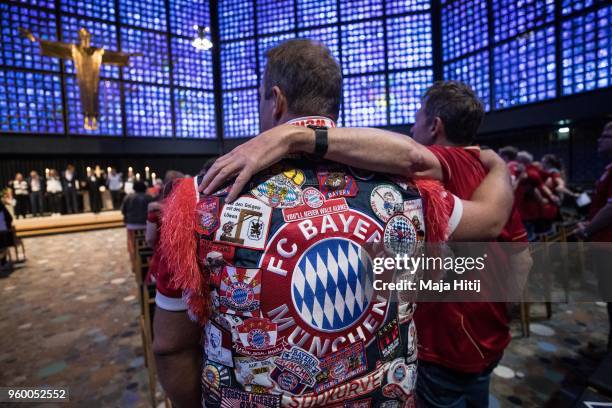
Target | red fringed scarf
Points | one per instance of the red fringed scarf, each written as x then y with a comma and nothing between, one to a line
437,207
179,247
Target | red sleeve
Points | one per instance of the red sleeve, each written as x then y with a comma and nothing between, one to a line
446,160
514,230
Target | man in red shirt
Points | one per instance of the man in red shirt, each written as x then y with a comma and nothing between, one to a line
599,228
454,365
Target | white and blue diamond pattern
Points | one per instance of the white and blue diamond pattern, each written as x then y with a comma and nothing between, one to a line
332,284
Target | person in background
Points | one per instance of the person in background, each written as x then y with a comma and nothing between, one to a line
134,209
156,188
509,153
6,234
70,186
599,226
114,185
36,185
54,192
94,183
128,186
20,194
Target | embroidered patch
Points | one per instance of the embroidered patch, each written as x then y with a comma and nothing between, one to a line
405,311
400,236
254,371
389,341
232,398
337,184
295,369
206,247
304,211
362,403
207,215
403,375
213,377
218,344
411,347
239,291
278,192
258,338
413,209
341,366
361,174
245,223
312,197
323,266
386,201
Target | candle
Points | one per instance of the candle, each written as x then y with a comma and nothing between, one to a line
138,176
130,169
108,169
46,172
153,176
147,172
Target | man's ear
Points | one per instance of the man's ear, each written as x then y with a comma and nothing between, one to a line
437,128
280,103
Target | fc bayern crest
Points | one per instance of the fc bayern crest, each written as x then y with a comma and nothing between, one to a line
321,274
207,215
239,291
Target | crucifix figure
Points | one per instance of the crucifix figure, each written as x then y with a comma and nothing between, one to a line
87,62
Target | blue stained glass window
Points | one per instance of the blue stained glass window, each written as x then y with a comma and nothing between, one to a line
360,55
405,92
103,35
316,12
365,101
406,6
195,114
571,6
153,66
240,113
39,3
360,9
238,64
18,51
265,43
236,19
511,17
192,68
110,109
102,9
274,16
409,41
587,51
474,71
524,69
464,28
30,102
148,111
185,14
143,13
326,35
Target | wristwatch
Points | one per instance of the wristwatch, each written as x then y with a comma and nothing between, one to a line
321,142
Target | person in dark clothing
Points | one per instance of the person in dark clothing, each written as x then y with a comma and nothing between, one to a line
70,185
134,209
94,182
37,191
6,233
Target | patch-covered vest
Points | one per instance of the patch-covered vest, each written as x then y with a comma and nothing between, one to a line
294,319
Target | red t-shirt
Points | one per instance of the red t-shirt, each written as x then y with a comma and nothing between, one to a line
603,196
468,336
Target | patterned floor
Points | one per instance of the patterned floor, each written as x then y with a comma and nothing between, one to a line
68,318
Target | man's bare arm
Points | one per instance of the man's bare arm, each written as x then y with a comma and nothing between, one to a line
178,355
601,220
367,148
488,210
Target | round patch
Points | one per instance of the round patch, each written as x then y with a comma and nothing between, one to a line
259,338
411,347
386,201
287,381
313,197
240,294
317,279
317,284
400,236
403,375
